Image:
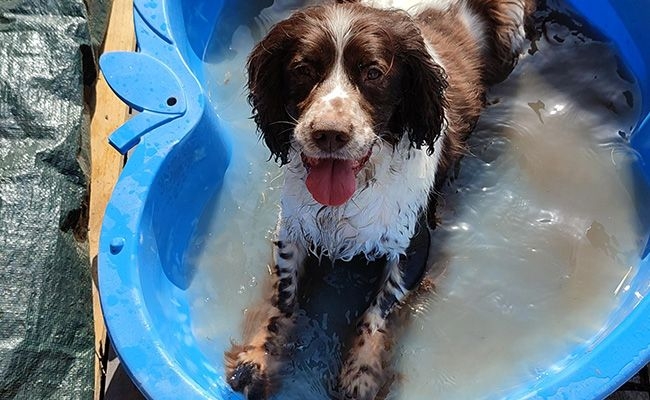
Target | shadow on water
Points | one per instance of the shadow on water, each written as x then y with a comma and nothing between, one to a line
332,297
230,19
557,13
247,13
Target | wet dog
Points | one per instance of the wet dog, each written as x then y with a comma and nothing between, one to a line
366,104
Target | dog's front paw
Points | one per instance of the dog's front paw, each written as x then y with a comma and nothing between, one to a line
248,378
360,381
246,372
363,373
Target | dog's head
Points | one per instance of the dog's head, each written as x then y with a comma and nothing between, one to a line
331,81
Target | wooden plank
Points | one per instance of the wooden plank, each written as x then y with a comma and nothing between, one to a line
105,162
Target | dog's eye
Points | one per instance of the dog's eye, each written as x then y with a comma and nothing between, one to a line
304,70
373,73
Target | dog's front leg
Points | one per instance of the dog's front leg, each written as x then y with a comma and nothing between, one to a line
362,375
250,368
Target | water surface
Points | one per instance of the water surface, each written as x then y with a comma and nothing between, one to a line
539,230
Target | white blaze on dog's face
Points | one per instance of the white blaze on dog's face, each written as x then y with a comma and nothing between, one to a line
346,77
335,131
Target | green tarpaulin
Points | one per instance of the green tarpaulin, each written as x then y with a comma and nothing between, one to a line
46,67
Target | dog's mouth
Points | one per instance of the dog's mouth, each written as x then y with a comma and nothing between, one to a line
333,181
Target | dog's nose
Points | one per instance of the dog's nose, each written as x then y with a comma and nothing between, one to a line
330,140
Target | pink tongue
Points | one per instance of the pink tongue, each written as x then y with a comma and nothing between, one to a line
332,182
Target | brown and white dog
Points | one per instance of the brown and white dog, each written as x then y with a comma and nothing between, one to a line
366,103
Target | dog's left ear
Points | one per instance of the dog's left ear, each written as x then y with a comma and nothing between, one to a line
423,106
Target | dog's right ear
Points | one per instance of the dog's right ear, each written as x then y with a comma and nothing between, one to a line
268,92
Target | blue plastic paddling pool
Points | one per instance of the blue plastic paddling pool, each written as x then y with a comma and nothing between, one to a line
177,166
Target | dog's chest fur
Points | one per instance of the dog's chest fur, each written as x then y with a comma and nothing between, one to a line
381,217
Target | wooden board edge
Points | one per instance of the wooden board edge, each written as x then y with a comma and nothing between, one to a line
105,166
